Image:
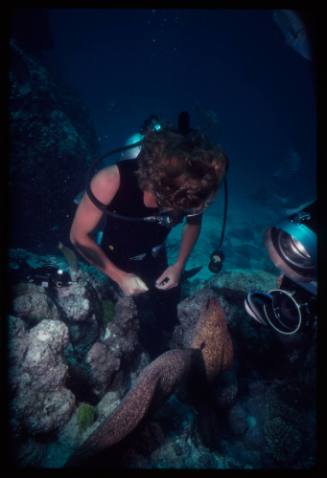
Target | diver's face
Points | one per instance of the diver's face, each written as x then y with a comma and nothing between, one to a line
186,211
150,199
201,208
194,211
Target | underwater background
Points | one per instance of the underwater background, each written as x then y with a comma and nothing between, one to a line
82,81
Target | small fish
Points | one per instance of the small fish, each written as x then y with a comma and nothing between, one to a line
294,31
71,259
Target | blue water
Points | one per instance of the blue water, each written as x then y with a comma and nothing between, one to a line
129,63
233,66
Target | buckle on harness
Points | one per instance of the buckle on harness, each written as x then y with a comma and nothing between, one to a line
140,257
154,252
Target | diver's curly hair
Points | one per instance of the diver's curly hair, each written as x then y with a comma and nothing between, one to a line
183,171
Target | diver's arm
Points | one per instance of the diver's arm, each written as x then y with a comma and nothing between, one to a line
190,236
104,186
171,276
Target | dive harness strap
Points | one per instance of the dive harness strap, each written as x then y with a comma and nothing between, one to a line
95,201
105,210
154,253
162,220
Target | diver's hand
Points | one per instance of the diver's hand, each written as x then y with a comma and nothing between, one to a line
131,284
169,278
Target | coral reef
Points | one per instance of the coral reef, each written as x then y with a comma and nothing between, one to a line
102,366
42,374
122,333
33,304
52,137
160,378
61,350
77,346
156,382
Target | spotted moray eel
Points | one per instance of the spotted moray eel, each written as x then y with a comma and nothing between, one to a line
211,344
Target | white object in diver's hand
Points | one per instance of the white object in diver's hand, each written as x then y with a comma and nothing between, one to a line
140,284
162,282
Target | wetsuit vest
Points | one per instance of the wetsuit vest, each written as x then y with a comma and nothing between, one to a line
123,238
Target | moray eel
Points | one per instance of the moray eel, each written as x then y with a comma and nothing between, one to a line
211,350
211,336
156,382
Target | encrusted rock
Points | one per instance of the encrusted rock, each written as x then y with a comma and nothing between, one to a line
76,303
102,366
123,330
35,306
41,403
51,411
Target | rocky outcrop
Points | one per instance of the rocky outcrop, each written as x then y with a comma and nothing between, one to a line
242,418
121,334
52,137
210,353
102,366
37,377
33,304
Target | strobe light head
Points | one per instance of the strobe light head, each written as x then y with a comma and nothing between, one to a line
288,310
276,308
292,246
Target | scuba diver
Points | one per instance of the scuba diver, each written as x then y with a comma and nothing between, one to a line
174,177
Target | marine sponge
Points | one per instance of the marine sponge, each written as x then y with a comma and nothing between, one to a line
86,416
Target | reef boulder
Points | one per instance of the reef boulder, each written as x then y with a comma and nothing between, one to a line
41,403
51,137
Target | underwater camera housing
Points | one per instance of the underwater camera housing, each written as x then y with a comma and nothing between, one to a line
292,246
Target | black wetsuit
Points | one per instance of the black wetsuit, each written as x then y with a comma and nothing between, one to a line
123,240
129,246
